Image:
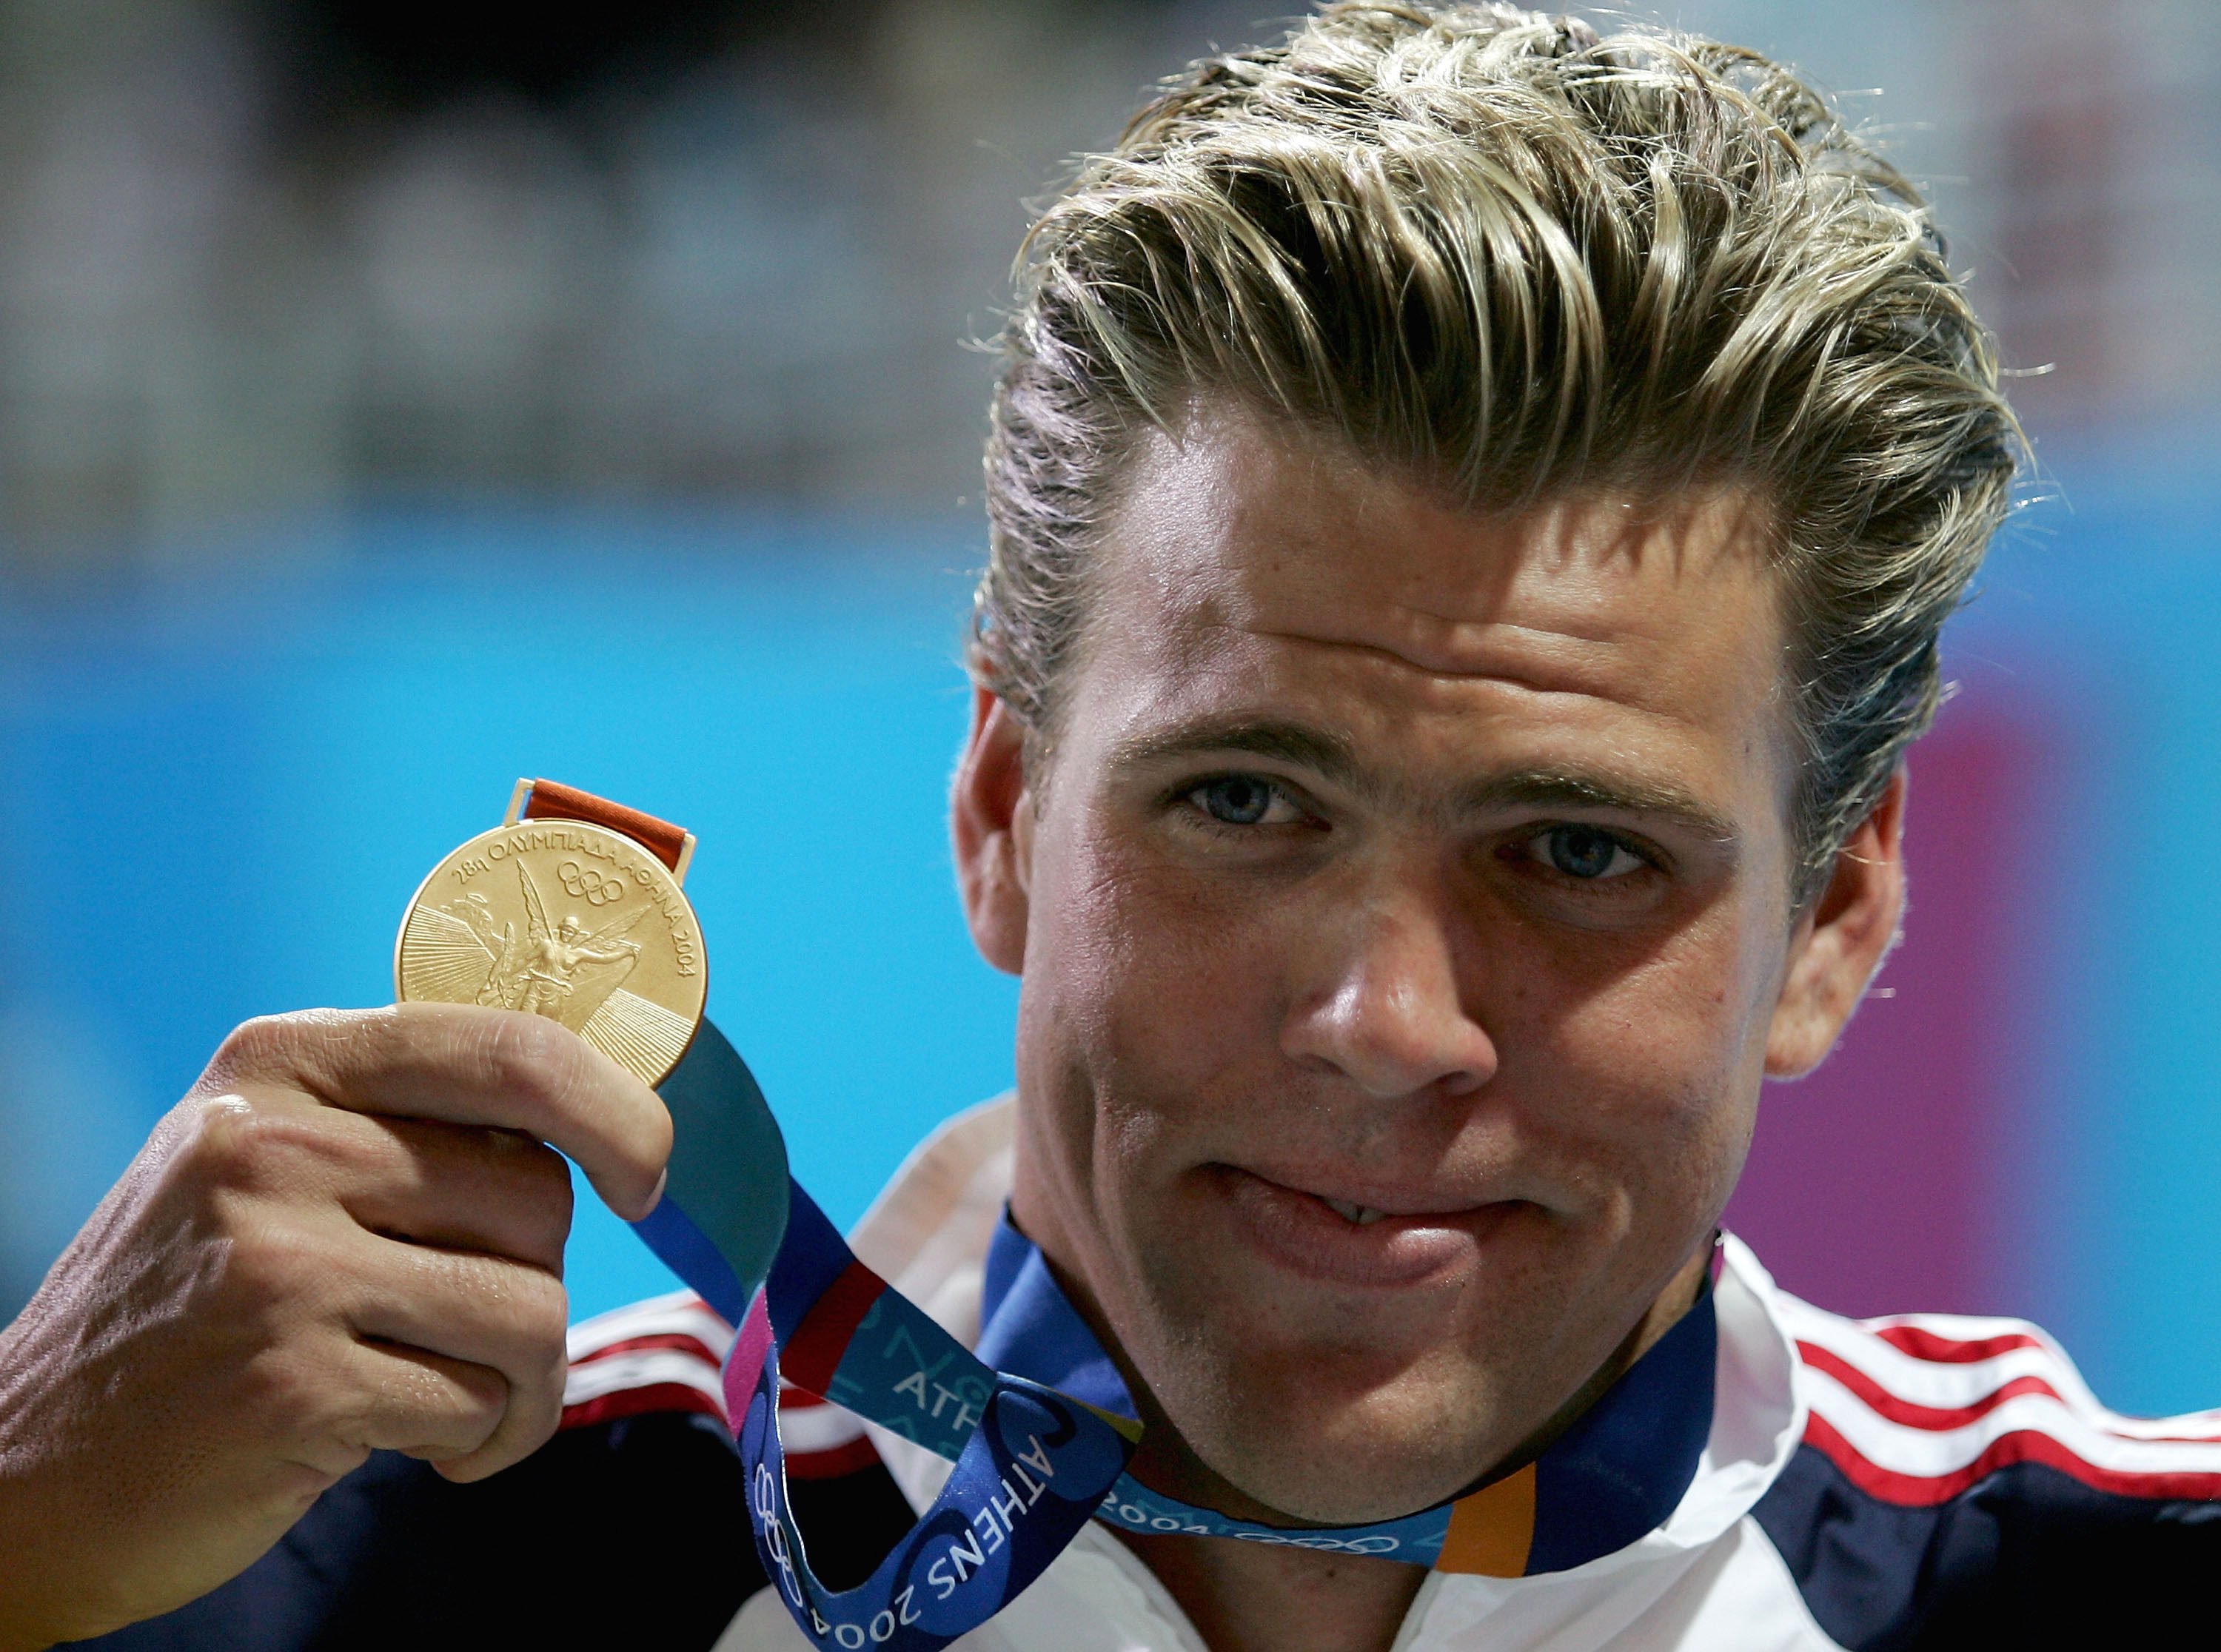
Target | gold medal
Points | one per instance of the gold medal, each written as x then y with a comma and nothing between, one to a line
570,909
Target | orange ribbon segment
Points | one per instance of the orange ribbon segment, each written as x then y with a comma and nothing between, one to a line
1491,1532
550,799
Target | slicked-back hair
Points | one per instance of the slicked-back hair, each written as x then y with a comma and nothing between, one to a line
1519,260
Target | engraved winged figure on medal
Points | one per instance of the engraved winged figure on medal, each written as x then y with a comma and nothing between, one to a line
567,919
556,968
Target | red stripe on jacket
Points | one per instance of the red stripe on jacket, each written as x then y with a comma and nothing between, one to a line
2018,1446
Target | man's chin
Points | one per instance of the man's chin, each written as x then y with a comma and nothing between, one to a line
1341,1483
1304,1452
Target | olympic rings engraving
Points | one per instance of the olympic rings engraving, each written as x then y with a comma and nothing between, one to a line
588,884
1149,1520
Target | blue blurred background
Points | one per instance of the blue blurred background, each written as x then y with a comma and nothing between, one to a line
393,403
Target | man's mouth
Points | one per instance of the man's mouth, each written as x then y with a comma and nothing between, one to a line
1362,1237
1363,1215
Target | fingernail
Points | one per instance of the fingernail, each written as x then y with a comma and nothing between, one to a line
662,1180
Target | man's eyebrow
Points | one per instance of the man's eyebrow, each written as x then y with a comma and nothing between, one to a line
1556,788
1330,756
1333,757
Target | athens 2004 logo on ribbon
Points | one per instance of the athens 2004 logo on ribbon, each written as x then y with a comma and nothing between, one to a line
1031,1465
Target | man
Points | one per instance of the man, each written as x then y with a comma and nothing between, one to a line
1473,508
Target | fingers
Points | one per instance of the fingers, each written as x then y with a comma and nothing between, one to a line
421,1404
348,1237
424,1258
418,1131
464,1419
526,1426
462,1188
460,1065
470,1325
352,1343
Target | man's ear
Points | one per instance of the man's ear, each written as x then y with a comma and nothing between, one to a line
991,824
1841,941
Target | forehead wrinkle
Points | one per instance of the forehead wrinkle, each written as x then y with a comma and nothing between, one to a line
1561,598
1454,630
1444,667
1233,580
1440,691
1598,673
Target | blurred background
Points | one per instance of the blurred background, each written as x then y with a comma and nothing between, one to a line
396,399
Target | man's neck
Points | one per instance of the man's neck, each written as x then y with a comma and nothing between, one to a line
1246,1597
1256,1597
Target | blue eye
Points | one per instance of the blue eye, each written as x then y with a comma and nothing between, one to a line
1235,799
1585,852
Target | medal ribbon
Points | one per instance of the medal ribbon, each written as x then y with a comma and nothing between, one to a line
1037,1422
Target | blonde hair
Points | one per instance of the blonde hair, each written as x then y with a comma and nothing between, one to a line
1519,259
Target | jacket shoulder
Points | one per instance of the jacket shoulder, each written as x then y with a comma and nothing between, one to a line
633,1529
662,1355
666,1356
1957,1480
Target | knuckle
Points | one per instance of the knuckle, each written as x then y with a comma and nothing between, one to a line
239,1145
547,1177
530,1055
484,1391
296,1390
543,1310
522,1310
249,1047
450,1402
271,1044
543,1198
531,1047
523,1184
273,1270
528,1302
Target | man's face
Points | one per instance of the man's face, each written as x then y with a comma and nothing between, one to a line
1402,910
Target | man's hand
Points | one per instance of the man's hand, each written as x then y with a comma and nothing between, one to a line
347,1237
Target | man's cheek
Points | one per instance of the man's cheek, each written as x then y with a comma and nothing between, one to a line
1179,1037
1684,1008
1650,1086
1189,947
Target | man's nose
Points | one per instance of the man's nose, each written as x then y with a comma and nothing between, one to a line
1389,1010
